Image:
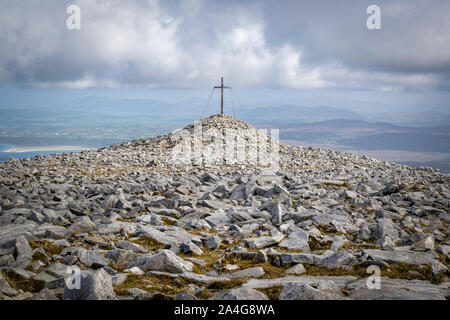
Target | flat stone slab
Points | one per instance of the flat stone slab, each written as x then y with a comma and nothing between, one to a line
297,240
290,258
215,204
332,182
399,256
218,218
239,294
12,231
261,242
340,281
170,237
190,276
249,272
399,289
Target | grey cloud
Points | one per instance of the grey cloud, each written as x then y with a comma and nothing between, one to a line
413,38
189,43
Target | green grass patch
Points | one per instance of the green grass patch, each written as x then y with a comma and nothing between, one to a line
17,282
272,292
49,247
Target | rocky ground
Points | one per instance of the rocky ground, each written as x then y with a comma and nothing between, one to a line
140,227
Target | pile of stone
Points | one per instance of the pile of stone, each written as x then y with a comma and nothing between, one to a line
125,222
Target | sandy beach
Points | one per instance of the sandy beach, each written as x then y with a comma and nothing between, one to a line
37,149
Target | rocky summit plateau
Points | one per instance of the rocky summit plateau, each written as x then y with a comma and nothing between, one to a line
126,222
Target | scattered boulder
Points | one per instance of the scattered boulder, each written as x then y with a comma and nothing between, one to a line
82,225
45,294
423,245
306,292
298,269
93,285
239,294
297,240
166,261
253,272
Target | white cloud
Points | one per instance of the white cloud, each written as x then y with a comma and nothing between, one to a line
88,81
293,74
144,43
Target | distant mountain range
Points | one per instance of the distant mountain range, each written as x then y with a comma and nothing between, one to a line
366,135
194,108
95,117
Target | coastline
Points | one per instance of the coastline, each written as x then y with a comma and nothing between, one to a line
38,149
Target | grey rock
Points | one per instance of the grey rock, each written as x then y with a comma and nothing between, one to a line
119,279
298,269
165,261
10,232
134,270
423,245
336,260
397,289
82,225
217,219
215,204
397,256
213,242
386,242
44,294
5,287
94,285
185,296
50,231
306,292
277,213
254,272
37,217
340,281
239,294
122,258
6,259
290,258
173,236
333,196
443,249
260,257
297,240
55,275
23,248
385,227
131,246
151,219
238,216
61,243
139,294
265,241
93,259
189,247
437,268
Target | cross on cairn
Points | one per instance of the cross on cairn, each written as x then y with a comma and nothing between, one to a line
221,94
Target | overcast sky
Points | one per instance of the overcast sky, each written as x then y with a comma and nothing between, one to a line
301,45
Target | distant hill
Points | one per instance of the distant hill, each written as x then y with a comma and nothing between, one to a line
367,135
288,113
195,108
